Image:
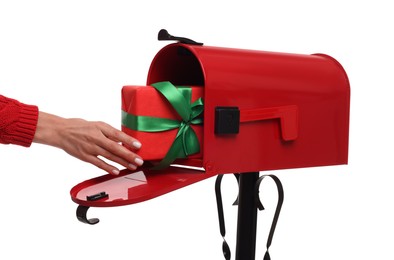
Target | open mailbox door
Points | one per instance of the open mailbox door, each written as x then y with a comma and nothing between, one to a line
262,111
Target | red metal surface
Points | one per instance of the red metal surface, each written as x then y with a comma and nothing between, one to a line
287,115
133,187
316,85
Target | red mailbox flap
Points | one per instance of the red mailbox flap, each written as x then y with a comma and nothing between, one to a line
133,187
288,116
294,109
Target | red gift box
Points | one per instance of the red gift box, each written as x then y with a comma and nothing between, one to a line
148,101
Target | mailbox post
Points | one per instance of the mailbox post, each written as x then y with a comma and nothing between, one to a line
262,111
247,217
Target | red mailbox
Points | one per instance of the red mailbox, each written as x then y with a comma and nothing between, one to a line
262,111
293,109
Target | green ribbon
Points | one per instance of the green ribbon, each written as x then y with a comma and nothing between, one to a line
186,141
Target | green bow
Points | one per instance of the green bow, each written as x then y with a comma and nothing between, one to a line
186,141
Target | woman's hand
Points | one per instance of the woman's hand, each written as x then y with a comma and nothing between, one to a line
88,141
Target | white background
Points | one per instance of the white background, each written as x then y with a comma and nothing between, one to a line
71,58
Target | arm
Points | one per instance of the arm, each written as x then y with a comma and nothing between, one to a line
22,124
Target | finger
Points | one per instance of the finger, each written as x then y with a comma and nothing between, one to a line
119,136
130,164
103,165
118,153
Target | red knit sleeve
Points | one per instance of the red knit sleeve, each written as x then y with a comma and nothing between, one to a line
18,122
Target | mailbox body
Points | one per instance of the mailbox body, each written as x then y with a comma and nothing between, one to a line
294,109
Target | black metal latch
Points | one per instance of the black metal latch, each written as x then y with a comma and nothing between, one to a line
165,36
227,120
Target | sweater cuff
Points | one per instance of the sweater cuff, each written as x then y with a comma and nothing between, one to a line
26,125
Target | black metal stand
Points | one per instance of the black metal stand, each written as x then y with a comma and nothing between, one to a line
247,217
